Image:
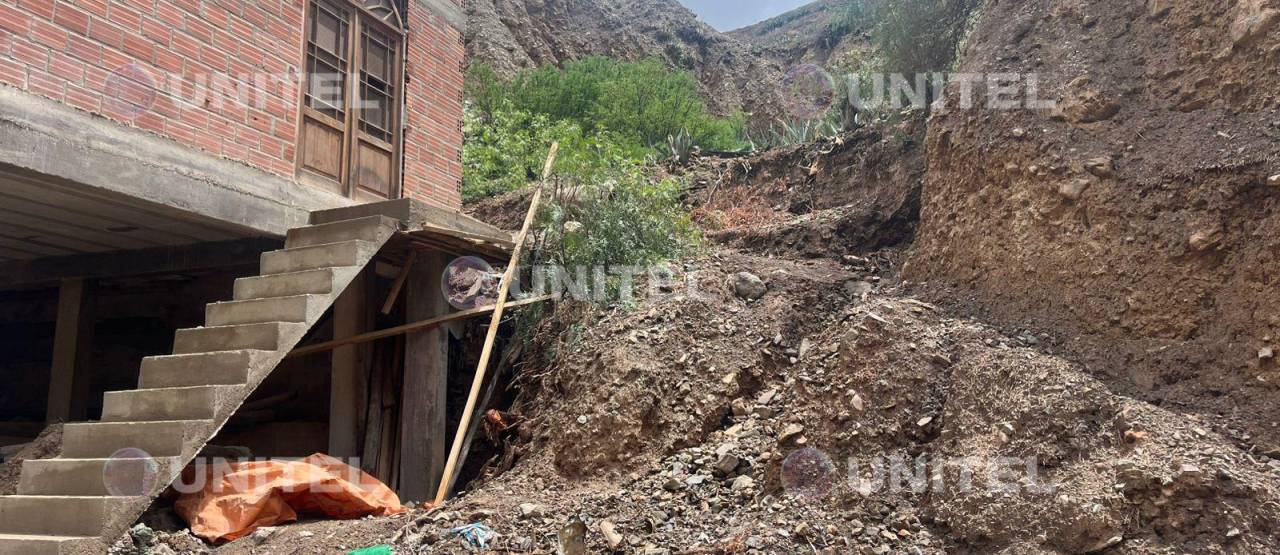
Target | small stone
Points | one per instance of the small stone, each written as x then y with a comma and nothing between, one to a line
531,510
695,480
767,397
748,286
727,464
572,227
924,421
583,419
790,432
1234,533
857,402
858,288
1266,353
610,532
742,483
740,407
673,484
1102,166
1204,240
1073,190
1274,180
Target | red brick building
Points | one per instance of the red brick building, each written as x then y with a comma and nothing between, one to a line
152,150
358,98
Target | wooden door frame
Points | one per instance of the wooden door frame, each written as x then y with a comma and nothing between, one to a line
359,17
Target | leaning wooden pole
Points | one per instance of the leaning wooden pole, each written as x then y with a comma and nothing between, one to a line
481,368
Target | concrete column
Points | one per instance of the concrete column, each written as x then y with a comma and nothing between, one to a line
346,390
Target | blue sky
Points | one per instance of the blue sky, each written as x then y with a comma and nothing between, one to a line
727,15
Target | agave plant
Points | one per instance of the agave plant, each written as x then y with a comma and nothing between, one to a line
680,146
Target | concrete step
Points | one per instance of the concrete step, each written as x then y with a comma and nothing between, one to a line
309,282
100,440
302,308
19,544
217,368
374,229
57,515
206,402
118,477
273,336
347,253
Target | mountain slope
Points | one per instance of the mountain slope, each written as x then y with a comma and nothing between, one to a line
513,35
812,33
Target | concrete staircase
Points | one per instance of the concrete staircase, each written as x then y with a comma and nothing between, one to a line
68,505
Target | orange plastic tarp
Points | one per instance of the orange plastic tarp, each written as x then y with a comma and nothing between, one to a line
237,498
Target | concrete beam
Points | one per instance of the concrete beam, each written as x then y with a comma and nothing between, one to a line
203,256
448,11
112,159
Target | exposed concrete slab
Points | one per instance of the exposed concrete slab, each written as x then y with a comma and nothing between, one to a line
204,256
348,253
22,544
99,440
412,215
219,368
108,158
309,282
301,308
204,402
371,228
272,336
89,476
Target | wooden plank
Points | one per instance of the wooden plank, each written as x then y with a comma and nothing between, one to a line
445,482
346,392
73,338
423,435
409,328
399,283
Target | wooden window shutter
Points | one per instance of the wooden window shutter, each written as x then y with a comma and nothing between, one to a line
350,121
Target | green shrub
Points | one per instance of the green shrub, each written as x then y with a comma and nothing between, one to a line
625,218
918,36
507,150
642,102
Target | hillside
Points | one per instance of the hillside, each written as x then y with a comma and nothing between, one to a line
813,33
512,35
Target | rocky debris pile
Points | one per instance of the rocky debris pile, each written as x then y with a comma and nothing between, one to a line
757,426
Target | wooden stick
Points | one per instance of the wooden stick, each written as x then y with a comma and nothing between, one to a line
399,284
476,384
401,330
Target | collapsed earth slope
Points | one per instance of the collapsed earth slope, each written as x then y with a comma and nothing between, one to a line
1139,222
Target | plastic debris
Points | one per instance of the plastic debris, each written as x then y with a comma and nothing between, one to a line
475,535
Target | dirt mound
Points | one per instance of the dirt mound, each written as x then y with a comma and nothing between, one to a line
718,425
850,195
47,445
1136,222
506,211
514,35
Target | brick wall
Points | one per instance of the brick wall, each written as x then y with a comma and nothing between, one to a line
177,67
433,139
